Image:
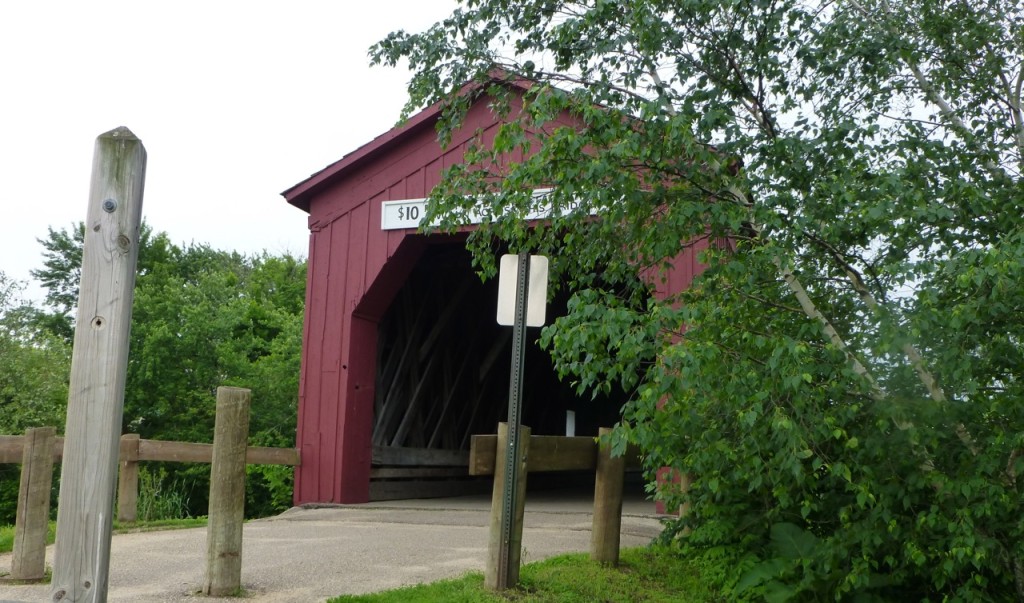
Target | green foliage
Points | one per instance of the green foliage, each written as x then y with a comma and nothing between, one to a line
161,497
201,318
34,367
209,319
844,380
34,370
7,536
268,488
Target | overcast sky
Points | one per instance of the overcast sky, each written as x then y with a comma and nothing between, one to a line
234,101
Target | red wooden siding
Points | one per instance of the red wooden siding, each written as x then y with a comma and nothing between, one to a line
355,271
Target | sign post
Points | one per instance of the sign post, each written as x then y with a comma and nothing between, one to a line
99,364
529,297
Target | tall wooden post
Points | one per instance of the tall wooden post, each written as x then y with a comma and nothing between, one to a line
607,522
99,363
33,515
502,572
227,493
128,479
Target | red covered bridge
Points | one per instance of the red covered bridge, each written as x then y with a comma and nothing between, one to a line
402,359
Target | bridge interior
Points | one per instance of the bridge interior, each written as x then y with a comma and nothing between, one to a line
443,373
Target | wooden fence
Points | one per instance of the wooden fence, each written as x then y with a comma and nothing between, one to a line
560,453
135,450
30,531
545,454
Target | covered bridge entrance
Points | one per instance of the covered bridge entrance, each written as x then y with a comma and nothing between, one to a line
402,358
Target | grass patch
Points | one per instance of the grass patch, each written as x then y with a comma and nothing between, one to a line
649,575
7,536
158,524
7,532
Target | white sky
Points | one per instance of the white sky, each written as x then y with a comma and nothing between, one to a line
234,101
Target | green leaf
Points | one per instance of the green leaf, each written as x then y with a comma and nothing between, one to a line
792,542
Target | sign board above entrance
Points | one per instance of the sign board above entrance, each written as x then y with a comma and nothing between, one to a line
402,214
409,213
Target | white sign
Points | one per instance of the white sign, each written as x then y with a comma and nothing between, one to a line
402,214
409,213
536,298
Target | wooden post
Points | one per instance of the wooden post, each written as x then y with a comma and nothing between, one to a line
611,472
493,573
128,479
99,363
33,516
227,493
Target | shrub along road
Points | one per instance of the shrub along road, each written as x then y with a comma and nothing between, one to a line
308,555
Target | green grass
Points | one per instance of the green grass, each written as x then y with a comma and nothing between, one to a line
649,575
158,524
7,536
7,532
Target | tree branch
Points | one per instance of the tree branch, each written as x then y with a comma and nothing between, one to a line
1018,118
807,304
945,109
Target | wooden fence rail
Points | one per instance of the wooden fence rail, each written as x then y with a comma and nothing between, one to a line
547,453
562,453
11,448
134,450
160,450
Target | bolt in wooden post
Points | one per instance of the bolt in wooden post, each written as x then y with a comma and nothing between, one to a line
611,472
493,573
33,505
99,363
227,493
128,479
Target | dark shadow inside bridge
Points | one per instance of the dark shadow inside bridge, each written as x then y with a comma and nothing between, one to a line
443,371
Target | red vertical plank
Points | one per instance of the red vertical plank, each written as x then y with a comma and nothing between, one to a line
301,426
306,487
349,433
376,244
414,184
331,390
356,450
395,238
310,262
431,175
358,239
397,191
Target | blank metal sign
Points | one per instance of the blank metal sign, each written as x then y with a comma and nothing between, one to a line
536,300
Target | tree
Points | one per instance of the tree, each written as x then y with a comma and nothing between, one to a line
34,369
844,379
62,271
201,318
